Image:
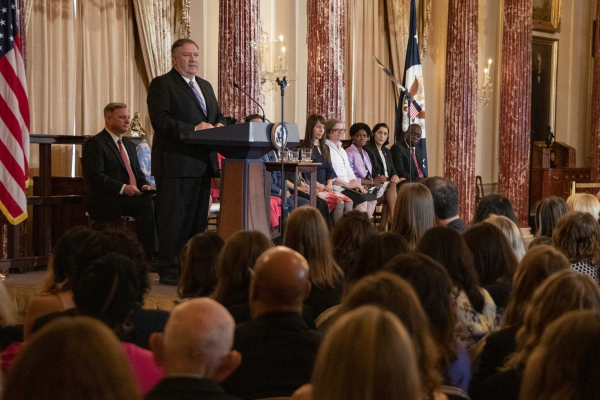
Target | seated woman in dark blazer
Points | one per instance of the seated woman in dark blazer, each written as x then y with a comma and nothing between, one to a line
381,156
404,162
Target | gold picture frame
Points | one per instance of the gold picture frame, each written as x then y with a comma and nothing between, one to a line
544,72
546,15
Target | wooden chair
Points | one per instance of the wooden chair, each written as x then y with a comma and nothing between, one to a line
575,186
454,393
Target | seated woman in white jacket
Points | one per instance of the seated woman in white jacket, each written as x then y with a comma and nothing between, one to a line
346,182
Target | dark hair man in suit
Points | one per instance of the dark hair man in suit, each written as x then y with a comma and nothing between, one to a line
180,102
116,185
445,203
405,161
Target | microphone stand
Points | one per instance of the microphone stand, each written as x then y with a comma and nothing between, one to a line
284,208
250,97
410,148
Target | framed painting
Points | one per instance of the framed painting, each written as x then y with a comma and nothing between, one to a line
543,86
546,15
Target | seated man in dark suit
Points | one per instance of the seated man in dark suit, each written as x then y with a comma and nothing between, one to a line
116,185
278,349
445,203
195,352
407,165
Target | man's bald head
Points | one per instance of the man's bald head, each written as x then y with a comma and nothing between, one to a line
197,339
280,281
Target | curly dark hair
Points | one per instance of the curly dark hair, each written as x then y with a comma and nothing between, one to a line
577,235
360,126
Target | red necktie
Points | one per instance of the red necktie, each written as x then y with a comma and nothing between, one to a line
127,165
420,174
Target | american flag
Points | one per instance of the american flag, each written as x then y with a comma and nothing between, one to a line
414,109
14,118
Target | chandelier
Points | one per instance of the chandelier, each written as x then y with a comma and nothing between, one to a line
485,93
270,73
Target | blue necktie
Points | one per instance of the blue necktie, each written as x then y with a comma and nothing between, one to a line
200,100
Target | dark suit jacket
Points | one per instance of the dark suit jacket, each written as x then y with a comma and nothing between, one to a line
278,352
175,109
401,156
378,164
105,174
188,388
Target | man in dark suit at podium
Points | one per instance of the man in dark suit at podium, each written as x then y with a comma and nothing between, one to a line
116,185
179,102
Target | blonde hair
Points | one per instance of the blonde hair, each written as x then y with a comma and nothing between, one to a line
367,354
307,233
562,292
564,366
584,202
511,231
414,213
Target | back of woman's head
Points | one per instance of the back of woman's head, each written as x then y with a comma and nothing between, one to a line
512,233
103,243
565,363
235,264
547,214
367,354
413,213
538,264
107,290
562,292
448,247
392,293
379,248
349,235
584,202
307,233
493,258
198,265
577,235
494,204
434,288
61,260
72,358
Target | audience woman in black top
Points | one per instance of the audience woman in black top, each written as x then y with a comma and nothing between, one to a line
562,292
381,156
348,237
198,260
494,204
547,214
414,213
494,260
537,265
306,232
314,138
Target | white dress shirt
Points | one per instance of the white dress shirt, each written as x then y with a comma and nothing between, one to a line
340,162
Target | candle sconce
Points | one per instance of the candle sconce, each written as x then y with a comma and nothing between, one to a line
269,74
485,93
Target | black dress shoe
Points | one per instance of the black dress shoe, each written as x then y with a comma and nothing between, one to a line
170,280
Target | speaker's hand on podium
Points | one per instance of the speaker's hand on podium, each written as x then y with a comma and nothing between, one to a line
203,125
218,125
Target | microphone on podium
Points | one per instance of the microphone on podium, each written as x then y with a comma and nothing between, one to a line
250,97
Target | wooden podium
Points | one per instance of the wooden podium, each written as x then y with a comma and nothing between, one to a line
245,194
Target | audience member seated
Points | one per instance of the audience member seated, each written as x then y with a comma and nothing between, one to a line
115,183
547,214
434,288
414,213
584,202
314,138
389,292
494,260
345,180
278,348
56,295
198,259
72,358
512,233
577,235
348,236
562,292
106,290
307,233
475,309
445,203
563,366
195,352
235,265
537,265
368,354
494,204
408,160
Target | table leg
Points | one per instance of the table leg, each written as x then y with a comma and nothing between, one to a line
313,188
295,188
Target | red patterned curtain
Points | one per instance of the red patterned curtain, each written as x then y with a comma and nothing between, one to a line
596,106
326,58
461,101
239,24
515,106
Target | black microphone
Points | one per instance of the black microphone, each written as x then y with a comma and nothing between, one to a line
250,97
